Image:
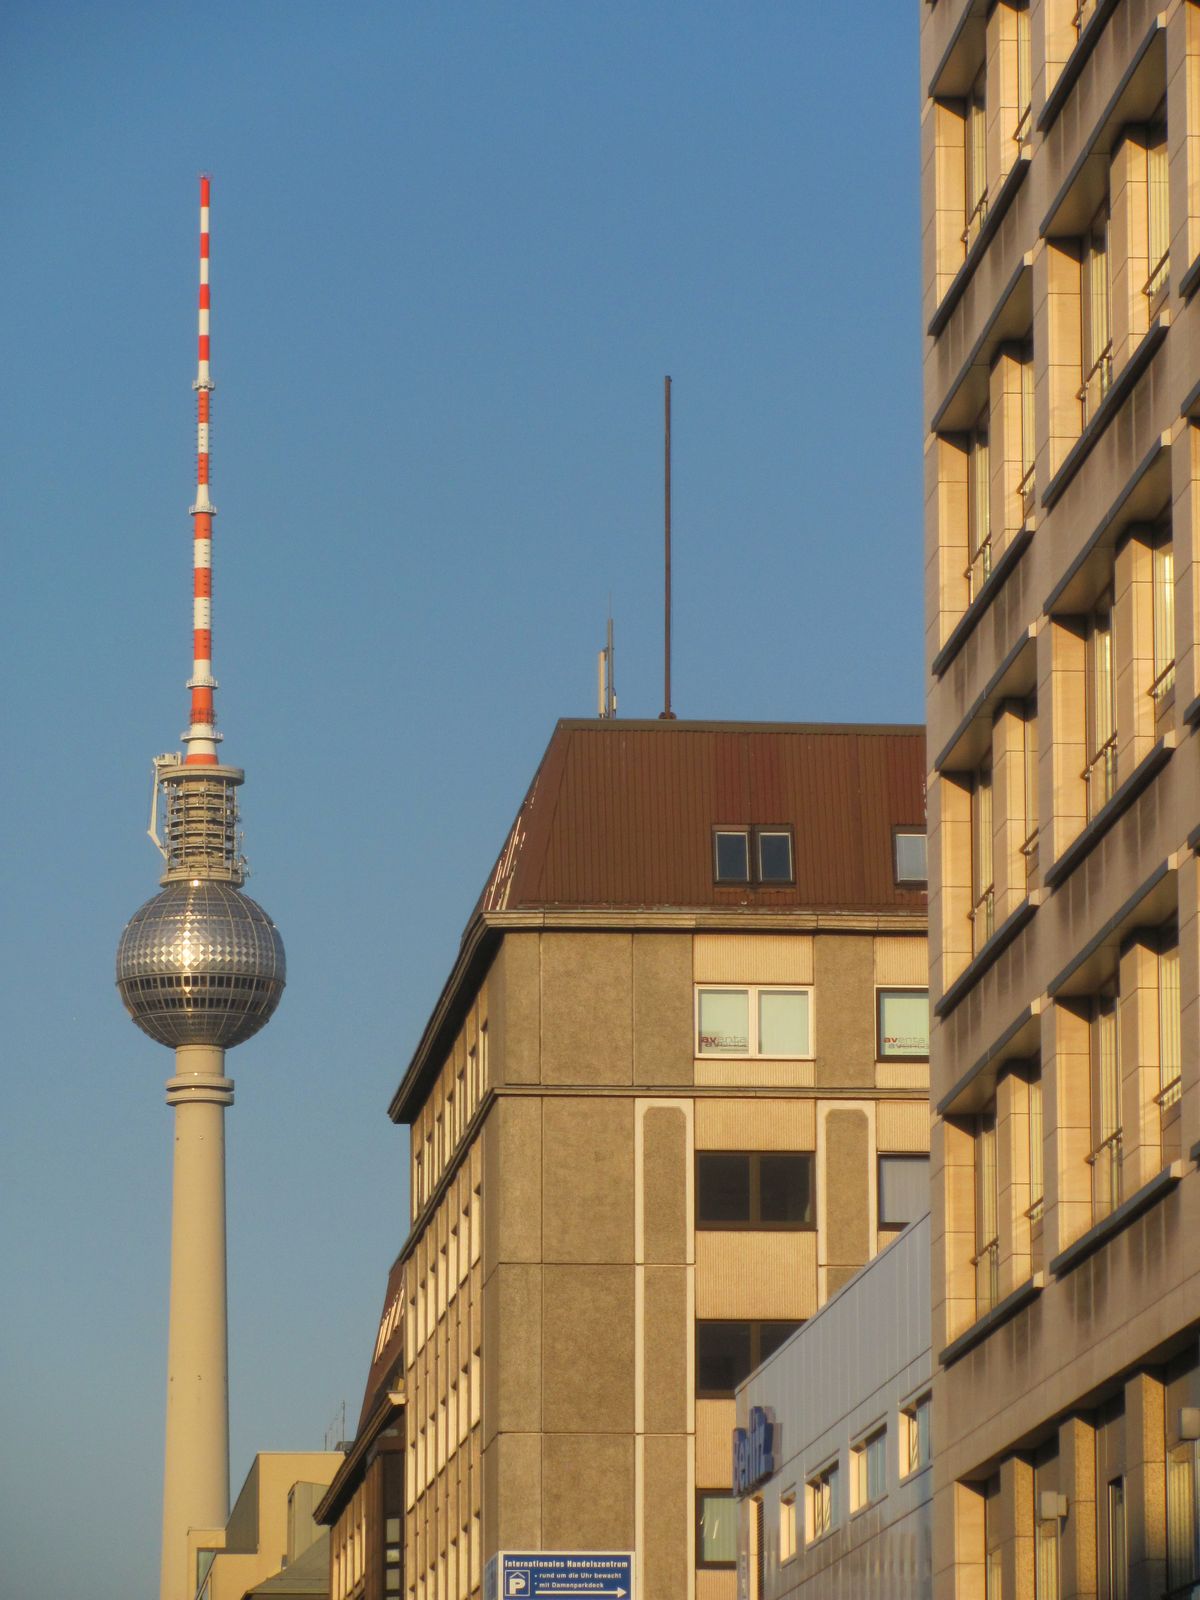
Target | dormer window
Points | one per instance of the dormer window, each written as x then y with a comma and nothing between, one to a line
753,855
908,845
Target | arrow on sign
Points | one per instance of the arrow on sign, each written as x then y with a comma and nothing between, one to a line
618,1593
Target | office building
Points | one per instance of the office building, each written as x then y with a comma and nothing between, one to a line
832,1456
672,1096
1061,218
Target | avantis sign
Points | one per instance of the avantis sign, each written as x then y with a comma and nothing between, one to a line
754,1450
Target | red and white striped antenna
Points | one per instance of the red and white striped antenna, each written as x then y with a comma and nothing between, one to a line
202,737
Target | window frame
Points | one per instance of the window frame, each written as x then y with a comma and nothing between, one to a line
753,1225
755,1325
712,1494
909,830
860,1460
752,992
752,833
910,1427
897,989
788,1549
825,1478
895,1155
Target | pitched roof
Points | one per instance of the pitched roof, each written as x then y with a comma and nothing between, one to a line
619,819
621,815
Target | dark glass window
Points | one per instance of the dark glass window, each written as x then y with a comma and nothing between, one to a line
728,1352
733,856
755,1189
774,856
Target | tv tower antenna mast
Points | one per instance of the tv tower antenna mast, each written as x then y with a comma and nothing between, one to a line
200,968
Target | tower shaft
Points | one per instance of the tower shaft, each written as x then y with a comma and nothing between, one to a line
196,1463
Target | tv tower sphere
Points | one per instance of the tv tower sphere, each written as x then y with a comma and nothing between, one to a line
200,968
201,963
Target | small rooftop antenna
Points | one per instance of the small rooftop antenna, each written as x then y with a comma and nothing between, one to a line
666,714
606,692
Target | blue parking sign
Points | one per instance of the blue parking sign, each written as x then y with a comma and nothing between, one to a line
559,1575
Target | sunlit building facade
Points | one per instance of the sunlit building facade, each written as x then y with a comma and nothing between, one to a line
1061,218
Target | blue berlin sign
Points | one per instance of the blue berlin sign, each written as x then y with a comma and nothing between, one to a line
754,1451
550,1574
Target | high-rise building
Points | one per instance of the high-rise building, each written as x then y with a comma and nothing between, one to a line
200,968
1061,220
672,1096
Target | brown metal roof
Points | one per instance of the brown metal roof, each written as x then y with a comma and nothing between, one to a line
621,815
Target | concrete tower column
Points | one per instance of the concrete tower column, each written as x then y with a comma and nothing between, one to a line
196,1467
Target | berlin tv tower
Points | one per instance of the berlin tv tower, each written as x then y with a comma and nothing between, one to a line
200,968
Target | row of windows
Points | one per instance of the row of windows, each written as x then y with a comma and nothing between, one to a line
777,1189
764,855
821,1506
1155,983
774,1023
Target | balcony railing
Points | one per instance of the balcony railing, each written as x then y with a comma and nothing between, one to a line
1097,381
1083,12
1156,285
980,569
1160,689
1100,775
1105,1162
983,919
975,221
987,1277
1028,492
1030,852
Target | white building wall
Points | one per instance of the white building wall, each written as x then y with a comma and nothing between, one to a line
849,1371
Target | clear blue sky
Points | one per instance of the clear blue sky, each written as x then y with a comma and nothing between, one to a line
455,249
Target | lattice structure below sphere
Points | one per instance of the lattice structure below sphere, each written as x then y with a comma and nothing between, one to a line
201,963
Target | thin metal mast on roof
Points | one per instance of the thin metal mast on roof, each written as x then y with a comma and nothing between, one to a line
666,714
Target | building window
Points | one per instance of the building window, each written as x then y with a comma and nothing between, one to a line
728,1352
914,1437
716,1528
1106,1105
979,514
787,1525
753,1021
1024,73
909,856
1158,223
1183,1524
903,1190
975,158
1163,590
987,1207
1029,754
1170,1053
1118,1555
753,855
1026,488
902,1024
983,872
760,1189
993,1572
1100,774
821,1504
868,1470
1037,1183
1095,299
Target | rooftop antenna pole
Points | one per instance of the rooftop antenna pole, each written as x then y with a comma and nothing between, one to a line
666,714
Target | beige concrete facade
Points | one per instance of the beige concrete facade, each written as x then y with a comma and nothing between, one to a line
1061,215
271,1525
556,1276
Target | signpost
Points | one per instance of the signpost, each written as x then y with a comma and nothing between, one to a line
560,1575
